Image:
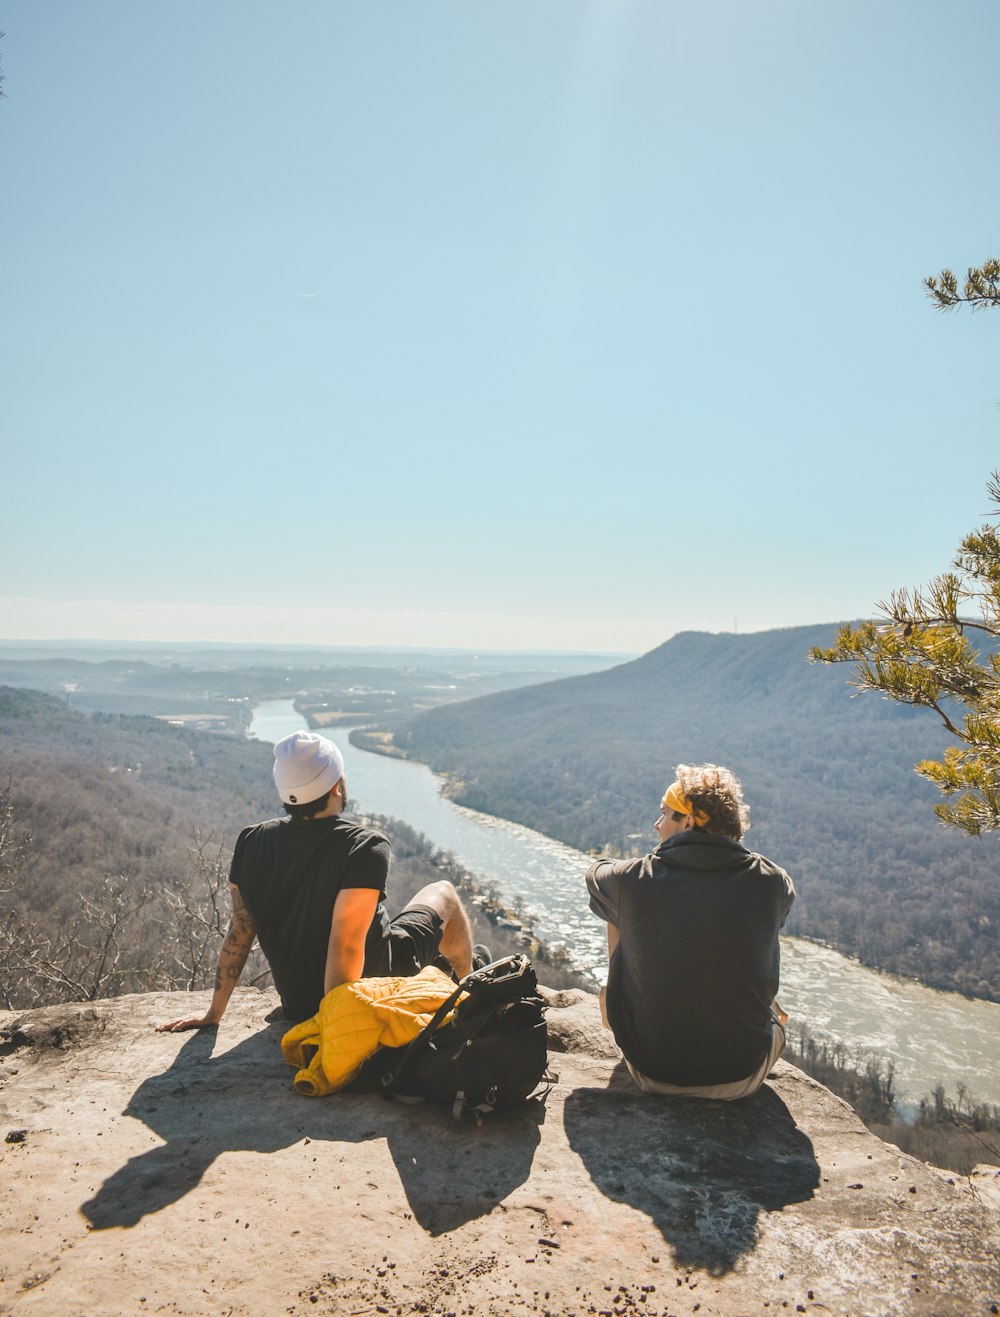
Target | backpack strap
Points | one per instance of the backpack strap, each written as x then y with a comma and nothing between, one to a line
388,1079
488,990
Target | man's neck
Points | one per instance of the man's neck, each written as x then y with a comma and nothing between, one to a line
333,810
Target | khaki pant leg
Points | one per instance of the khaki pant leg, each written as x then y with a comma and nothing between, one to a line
739,1088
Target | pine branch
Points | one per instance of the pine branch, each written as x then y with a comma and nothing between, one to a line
981,290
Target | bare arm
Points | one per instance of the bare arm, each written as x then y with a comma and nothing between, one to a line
353,912
232,957
602,995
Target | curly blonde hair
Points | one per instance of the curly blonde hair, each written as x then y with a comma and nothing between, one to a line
715,791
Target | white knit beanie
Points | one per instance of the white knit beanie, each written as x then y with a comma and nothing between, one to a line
306,766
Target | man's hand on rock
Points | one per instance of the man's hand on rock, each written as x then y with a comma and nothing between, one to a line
206,1021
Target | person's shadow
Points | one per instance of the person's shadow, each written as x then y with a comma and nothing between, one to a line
702,1171
243,1100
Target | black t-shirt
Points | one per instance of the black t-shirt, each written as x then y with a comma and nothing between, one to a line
289,873
691,982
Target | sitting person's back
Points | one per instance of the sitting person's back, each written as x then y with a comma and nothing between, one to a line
693,942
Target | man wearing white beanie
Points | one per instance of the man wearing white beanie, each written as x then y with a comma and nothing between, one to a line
311,887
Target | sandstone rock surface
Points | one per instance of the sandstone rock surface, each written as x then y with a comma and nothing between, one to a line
182,1174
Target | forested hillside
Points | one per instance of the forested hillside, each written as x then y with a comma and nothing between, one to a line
829,779
116,834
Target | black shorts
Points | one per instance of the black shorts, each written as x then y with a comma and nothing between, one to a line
414,938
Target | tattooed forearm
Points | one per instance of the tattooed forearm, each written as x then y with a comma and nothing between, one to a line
232,957
242,921
229,972
234,951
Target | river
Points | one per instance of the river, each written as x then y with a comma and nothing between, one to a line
931,1036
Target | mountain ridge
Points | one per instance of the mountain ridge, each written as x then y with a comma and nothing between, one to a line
829,779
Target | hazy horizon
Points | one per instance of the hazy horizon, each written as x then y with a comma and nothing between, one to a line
304,647
56,643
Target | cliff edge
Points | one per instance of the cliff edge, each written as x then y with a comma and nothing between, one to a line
182,1174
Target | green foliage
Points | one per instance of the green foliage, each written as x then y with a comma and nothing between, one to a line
982,287
923,651
936,648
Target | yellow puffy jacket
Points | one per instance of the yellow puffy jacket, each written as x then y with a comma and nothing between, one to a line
354,1020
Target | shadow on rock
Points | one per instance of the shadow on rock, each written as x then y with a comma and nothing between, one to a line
702,1171
242,1100
453,1172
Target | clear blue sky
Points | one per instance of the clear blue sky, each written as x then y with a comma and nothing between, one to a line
542,323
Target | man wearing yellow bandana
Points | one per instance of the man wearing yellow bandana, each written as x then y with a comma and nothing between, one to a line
693,945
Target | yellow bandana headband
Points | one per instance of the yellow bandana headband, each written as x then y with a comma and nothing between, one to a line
679,803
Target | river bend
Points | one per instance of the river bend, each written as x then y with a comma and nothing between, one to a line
930,1036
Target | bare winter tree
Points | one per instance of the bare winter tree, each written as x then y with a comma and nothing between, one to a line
195,921
123,933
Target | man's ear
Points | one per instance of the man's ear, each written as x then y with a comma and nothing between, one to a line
688,821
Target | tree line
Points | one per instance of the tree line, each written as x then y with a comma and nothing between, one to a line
953,1132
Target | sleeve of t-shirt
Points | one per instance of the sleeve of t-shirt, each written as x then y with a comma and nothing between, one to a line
234,864
604,879
368,863
787,896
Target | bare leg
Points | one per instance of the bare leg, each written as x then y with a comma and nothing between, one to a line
456,933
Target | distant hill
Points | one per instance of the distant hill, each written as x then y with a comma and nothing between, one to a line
217,688
829,779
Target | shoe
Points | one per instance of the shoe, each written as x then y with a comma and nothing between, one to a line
481,956
445,966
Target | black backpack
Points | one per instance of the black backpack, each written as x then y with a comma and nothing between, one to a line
492,1054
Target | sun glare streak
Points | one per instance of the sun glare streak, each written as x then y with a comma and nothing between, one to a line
583,131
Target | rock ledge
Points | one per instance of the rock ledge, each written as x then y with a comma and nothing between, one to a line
183,1174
